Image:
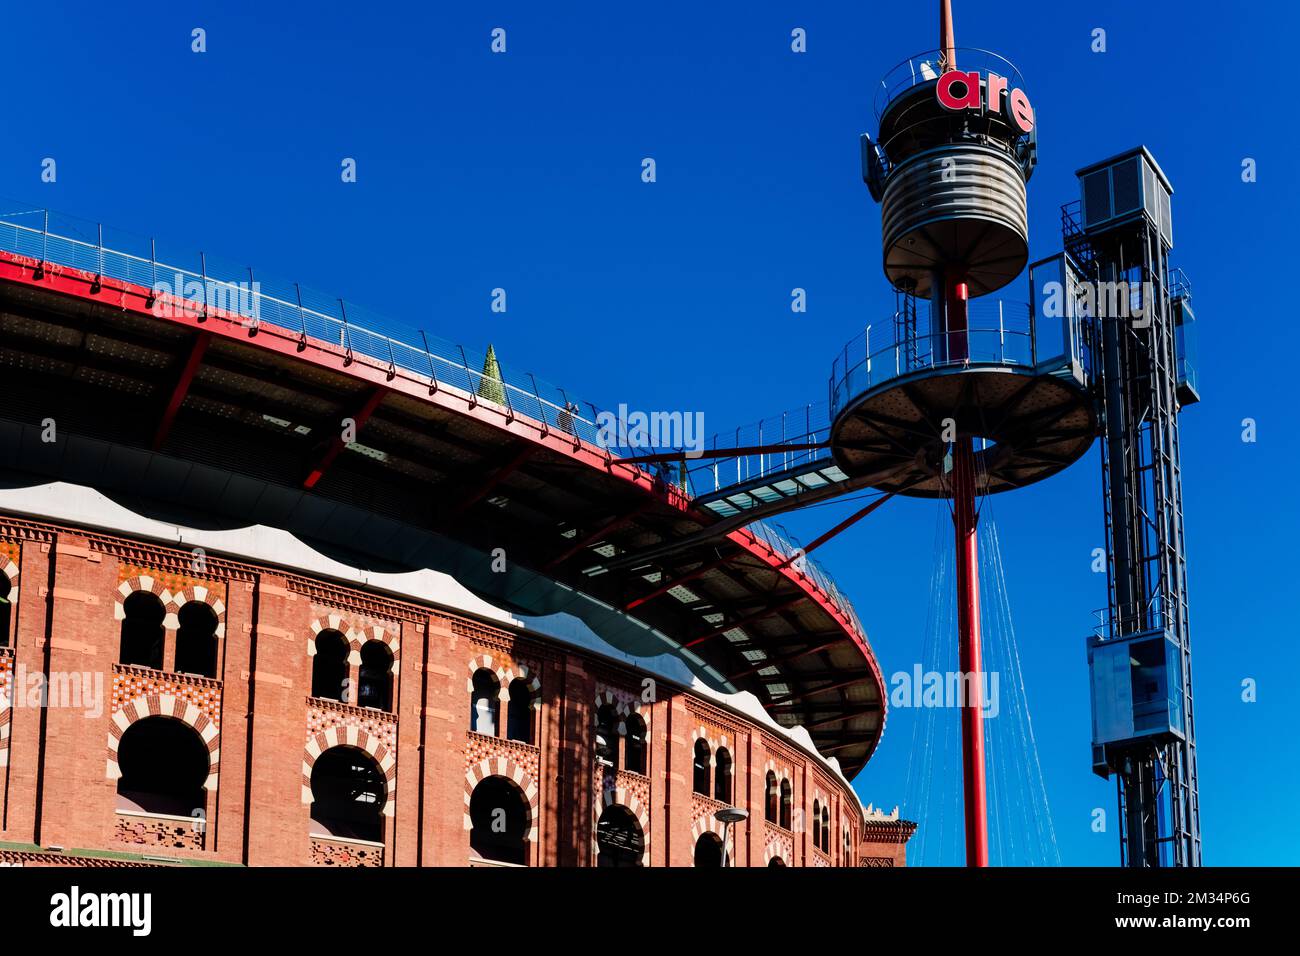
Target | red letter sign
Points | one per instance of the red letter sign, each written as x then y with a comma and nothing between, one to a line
970,85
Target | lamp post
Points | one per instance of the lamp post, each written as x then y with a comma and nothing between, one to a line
727,817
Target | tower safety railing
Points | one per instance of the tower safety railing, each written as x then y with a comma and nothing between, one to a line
52,238
997,333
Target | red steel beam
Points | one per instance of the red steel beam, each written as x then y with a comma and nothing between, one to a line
599,533
844,525
788,700
498,476
851,715
182,388
679,580
778,661
750,619
337,444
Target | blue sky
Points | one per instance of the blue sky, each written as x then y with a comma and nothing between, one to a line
522,171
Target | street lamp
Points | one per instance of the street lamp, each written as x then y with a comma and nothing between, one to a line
727,816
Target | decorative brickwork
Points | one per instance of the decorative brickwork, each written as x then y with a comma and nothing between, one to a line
190,700
173,590
625,789
10,559
706,823
6,701
506,671
779,843
324,714
159,832
504,767
351,734
357,629
326,852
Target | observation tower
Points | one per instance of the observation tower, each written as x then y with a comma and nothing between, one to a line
962,398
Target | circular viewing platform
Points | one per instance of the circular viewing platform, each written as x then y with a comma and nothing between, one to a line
899,399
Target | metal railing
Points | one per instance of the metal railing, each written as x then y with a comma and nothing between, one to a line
780,436
924,68
998,333
52,238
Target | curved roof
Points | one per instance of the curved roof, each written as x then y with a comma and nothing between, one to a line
178,402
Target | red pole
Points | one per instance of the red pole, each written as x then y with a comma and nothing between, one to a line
965,521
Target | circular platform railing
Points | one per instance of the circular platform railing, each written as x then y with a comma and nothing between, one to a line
924,68
998,334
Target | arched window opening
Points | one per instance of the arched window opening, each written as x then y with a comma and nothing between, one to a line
485,703
634,744
607,735
142,631
787,803
722,777
826,830
769,798
848,848
196,640
619,840
519,716
6,608
164,766
329,668
348,792
498,815
375,676
776,861
817,824
702,768
708,850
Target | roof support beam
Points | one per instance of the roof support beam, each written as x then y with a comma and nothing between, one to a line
599,534
181,388
787,658
498,476
851,715
681,579
787,701
750,619
337,444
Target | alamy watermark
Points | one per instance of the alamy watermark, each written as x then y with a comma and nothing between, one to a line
181,294
651,430
919,688
76,690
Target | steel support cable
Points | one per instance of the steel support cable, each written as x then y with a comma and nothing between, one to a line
1034,790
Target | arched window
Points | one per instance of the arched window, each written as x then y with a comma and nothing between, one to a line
787,803
607,735
498,814
702,766
142,631
722,778
196,640
817,824
375,676
634,744
708,850
770,798
776,861
619,840
164,766
329,668
848,848
485,703
519,715
6,608
348,792
826,830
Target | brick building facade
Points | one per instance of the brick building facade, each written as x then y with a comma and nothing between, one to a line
477,744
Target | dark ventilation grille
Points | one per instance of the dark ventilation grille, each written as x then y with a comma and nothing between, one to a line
1127,181
1096,198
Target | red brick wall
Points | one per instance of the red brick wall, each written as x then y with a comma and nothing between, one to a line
58,789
